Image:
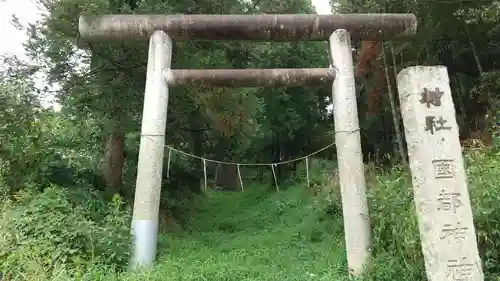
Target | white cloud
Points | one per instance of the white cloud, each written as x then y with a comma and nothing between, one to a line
322,7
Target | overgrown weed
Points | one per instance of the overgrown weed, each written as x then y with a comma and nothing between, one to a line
62,231
295,234
397,252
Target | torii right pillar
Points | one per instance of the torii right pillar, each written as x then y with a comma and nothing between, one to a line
439,180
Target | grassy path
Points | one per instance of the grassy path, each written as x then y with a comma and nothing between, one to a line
255,236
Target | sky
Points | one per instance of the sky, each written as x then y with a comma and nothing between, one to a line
28,12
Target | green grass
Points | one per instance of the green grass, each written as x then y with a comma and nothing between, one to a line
290,235
254,235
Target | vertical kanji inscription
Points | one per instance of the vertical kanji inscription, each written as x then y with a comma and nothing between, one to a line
438,176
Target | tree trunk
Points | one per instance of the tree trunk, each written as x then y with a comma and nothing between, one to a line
462,117
114,155
277,158
474,51
395,115
114,160
227,177
197,139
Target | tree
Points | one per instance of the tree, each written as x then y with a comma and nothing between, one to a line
448,34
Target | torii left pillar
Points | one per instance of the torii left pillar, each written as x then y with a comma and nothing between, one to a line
150,166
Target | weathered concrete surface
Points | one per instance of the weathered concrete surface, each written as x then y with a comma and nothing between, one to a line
288,77
349,155
151,150
439,180
282,27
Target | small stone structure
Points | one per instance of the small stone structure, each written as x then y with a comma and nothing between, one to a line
439,181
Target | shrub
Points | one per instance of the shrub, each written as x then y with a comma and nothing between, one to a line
396,246
483,168
396,241
61,229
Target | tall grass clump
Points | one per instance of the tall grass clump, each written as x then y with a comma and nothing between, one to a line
397,252
396,246
62,231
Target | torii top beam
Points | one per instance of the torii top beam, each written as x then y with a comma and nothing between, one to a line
266,27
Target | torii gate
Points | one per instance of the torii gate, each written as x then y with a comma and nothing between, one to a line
162,29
